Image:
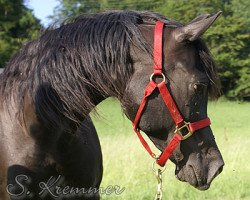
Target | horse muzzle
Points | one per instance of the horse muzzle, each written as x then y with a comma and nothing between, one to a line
201,169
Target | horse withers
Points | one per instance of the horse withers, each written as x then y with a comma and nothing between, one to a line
51,85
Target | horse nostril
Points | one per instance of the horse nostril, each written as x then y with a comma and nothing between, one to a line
179,157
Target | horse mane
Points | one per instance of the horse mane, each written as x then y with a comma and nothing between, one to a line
210,68
63,69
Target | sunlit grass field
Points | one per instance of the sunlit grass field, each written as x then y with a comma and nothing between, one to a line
128,165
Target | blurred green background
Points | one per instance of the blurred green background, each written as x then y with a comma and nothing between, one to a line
128,165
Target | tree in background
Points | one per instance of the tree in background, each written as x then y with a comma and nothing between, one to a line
241,14
228,39
71,8
17,25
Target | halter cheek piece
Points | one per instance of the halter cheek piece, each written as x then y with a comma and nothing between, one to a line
190,127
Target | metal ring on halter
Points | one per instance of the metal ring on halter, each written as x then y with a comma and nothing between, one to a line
162,76
155,169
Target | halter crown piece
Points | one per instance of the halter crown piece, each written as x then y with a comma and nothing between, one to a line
181,125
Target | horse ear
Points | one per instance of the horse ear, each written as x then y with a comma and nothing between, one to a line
200,17
193,30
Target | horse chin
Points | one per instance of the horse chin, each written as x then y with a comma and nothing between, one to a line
189,176
199,177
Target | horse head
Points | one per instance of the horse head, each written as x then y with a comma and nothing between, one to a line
190,77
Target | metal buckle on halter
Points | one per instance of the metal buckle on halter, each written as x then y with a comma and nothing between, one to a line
178,130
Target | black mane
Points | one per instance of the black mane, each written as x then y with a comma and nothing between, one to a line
65,66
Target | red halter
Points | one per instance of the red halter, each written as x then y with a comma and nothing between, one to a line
152,85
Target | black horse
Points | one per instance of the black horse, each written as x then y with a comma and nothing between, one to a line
48,89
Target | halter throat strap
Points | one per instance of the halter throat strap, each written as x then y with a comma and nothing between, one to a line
190,127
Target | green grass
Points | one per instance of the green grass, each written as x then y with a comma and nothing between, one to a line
128,165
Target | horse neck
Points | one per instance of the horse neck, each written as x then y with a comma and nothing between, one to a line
73,100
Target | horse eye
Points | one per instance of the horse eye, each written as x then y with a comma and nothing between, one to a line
200,87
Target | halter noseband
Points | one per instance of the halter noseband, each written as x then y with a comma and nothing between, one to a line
191,127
